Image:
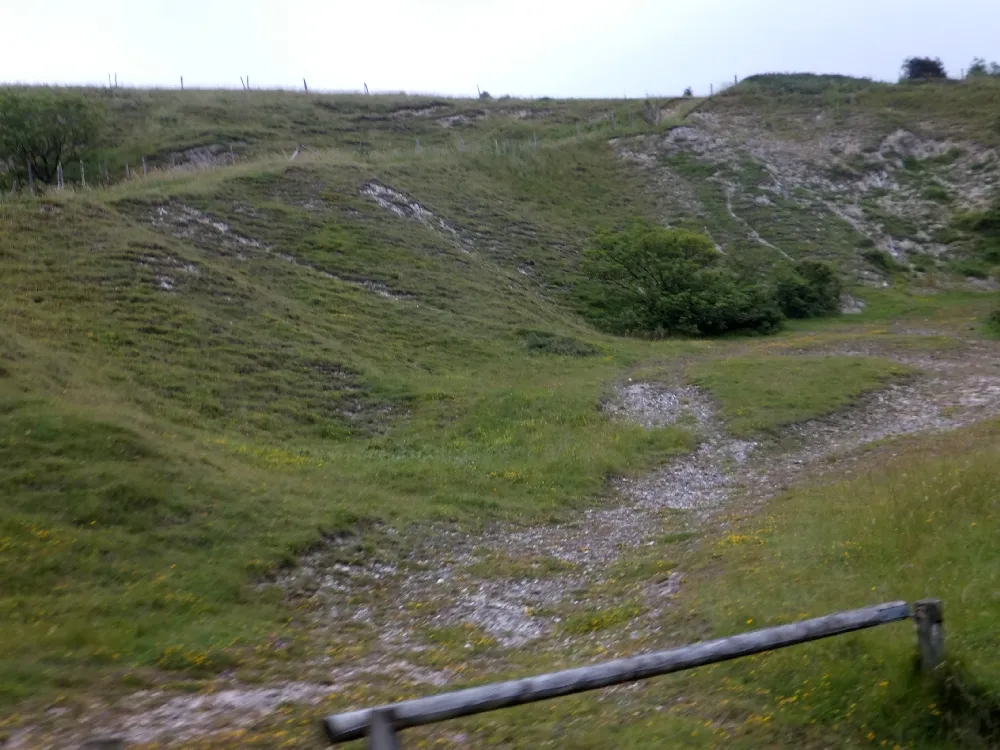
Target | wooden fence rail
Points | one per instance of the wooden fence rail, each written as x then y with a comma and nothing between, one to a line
382,724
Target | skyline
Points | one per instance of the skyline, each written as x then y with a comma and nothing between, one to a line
516,47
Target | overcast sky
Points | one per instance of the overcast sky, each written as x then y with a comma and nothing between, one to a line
520,47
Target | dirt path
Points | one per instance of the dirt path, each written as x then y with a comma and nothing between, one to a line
515,590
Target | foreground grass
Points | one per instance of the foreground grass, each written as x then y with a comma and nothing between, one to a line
762,393
924,525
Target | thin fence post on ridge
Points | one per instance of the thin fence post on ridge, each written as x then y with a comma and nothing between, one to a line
144,170
305,85
83,176
182,83
59,176
31,177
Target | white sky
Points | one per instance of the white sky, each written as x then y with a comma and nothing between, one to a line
520,47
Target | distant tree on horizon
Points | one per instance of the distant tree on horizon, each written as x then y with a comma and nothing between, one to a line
923,68
44,127
979,67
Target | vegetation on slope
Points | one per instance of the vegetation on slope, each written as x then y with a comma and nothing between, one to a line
764,393
205,374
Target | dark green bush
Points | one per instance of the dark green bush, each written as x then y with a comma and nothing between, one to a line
46,127
975,269
923,69
808,289
543,342
882,260
658,281
937,193
985,227
993,321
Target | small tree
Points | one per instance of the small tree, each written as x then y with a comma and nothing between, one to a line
688,91
979,68
808,289
923,68
670,281
42,127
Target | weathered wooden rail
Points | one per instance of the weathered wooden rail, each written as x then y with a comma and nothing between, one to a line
382,724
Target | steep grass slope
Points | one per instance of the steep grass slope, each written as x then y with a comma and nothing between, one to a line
206,373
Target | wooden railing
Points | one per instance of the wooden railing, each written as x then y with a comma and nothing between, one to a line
382,724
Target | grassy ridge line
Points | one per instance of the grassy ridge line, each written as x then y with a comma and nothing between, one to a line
967,108
161,125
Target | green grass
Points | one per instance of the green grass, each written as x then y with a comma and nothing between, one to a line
923,525
763,393
162,451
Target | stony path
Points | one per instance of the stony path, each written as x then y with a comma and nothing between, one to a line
515,586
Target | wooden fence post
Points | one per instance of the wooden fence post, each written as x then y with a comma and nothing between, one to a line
83,175
59,176
930,632
305,85
381,732
31,177
182,83
145,171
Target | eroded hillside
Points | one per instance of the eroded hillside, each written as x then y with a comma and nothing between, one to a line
288,436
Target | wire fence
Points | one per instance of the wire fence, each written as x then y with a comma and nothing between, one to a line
655,112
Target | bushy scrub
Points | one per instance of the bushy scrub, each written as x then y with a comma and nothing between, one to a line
655,281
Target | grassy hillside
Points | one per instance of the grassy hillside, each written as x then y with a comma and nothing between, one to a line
208,372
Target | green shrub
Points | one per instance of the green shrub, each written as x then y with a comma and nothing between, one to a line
671,281
808,289
993,321
923,262
44,128
923,69
985,226
937,193
543,342
972,268
882,260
